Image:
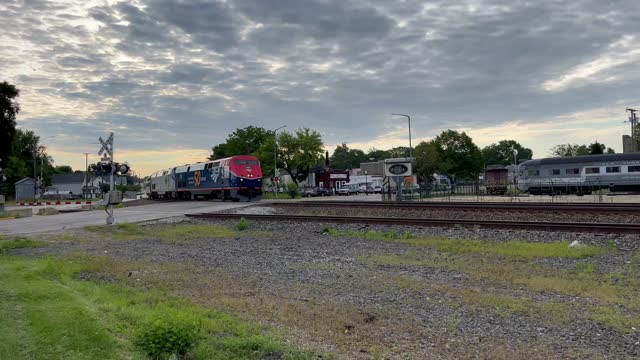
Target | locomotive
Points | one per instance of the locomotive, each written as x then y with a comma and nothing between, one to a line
496,180
237,178
580,174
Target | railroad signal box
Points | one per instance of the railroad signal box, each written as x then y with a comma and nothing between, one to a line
112,198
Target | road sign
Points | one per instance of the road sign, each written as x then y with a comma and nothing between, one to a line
107,148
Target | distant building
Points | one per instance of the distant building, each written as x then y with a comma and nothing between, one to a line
627,144
25,189
372,168
74,183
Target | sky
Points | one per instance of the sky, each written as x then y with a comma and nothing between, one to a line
172,78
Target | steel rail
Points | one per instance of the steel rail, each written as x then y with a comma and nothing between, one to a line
537,206
500,224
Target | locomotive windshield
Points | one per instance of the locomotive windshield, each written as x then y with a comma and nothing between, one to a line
246,162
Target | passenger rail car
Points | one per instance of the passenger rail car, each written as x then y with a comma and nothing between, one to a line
238,178
580,174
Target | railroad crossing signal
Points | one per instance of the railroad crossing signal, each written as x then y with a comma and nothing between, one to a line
107,148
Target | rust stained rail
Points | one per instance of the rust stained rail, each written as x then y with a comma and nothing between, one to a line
537,206
498,224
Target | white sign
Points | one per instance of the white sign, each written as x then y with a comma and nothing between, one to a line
337,176
107,147
397,167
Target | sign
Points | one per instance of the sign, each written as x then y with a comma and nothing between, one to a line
107,148
337,176
398,167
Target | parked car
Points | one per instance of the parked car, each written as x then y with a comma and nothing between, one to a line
369,190
315,191
377,189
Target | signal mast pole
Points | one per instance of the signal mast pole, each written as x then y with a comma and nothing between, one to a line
633,119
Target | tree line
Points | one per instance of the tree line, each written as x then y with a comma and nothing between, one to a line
451,153
20,149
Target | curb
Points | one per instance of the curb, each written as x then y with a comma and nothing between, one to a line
40,203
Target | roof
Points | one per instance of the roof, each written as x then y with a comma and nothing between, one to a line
24,180
635,156
68,178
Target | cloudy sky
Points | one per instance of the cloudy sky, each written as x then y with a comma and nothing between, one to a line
172,78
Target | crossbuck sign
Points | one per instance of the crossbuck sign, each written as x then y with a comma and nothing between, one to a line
107,148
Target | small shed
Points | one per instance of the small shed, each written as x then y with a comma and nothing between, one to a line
25,189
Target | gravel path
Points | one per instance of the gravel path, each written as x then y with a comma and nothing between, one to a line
412,310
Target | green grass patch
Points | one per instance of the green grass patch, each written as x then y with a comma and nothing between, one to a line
616,319
48,312
521,249
171,233
18,243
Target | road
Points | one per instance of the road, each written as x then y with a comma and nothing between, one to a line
40,224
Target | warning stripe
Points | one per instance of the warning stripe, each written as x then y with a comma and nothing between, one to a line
42,203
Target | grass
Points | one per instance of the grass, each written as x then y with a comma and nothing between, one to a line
17,243
172,233
47,312
521,249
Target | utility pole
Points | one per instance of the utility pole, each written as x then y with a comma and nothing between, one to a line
86,173
633,119
410,147
275,160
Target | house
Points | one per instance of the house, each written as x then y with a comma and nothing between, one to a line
76,184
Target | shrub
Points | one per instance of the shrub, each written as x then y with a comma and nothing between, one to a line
242,225
293,190
167,336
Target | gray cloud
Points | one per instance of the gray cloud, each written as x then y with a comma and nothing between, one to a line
197,70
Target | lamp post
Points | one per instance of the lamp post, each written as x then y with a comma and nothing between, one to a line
275,159
410,148
365,182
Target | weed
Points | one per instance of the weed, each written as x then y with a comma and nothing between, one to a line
613,318
584,268
242,225
611,244
167,336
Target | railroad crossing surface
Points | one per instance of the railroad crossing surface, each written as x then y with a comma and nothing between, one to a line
60,222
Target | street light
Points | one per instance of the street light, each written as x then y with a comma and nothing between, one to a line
365,182
410,148
275,159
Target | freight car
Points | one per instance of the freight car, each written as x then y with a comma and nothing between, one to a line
496,180
237,178
580,174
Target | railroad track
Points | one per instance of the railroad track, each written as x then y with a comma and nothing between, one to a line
497,224
522,206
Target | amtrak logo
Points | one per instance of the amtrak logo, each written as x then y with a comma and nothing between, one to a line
398,169
217,174
197,178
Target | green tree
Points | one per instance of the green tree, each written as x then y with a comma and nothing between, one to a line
9,108
345,158
459,157
26,152
246,141
377,155
426,161
299,152
567,150
399,152
502,153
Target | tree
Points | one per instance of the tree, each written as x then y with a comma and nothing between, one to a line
377,155
245,141
459,157
26,153
345,158
399,152
62,169
9,108
567,150
502,153
299,152
426,161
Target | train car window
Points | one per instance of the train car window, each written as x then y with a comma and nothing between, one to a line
188,168
216,164
572,171
613,169
592,170
555,171
634,168
241,162
533,172
252,162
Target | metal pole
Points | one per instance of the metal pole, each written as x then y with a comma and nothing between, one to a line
410,147
35,185
275,160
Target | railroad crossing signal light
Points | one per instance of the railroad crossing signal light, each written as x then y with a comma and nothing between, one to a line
123,169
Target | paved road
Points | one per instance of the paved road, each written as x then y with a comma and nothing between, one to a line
38,224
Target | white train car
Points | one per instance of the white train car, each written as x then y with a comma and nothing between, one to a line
580,174
161,184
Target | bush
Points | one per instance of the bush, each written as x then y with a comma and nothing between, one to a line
167,337
293,190
242,225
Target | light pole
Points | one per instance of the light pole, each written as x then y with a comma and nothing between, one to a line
275,159
365,182
410,148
